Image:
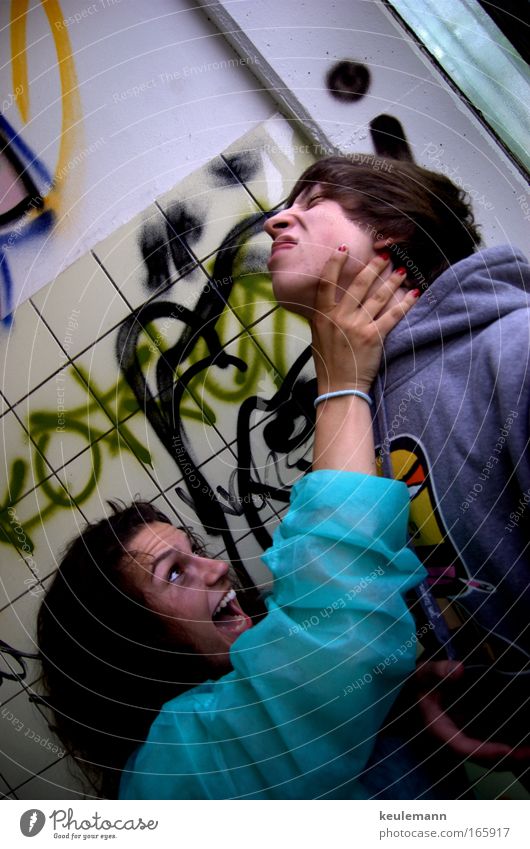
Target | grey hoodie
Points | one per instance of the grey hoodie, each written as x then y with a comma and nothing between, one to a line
453,422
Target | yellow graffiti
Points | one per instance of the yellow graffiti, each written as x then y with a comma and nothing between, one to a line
70,134
70,99
19,63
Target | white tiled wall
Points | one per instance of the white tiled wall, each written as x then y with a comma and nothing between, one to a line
73,434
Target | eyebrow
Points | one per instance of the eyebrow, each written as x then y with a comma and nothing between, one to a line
303,194
307,193
163,556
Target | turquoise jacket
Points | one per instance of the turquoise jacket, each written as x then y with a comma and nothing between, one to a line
298,716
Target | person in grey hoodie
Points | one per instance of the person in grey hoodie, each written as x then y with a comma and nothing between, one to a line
451,409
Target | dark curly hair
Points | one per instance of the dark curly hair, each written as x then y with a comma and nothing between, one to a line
429,218
108,663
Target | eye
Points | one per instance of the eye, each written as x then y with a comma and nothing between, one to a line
175,572
314,199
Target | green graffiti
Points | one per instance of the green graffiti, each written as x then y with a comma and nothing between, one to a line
250,298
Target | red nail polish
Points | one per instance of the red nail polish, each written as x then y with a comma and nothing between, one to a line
343,248
401,270
384,255
416,293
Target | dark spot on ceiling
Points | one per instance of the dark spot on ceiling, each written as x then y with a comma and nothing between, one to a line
389,139
348,81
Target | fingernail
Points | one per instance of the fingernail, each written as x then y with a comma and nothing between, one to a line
384,255
401,270
343,248
416,293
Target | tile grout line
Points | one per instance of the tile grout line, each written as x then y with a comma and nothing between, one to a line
111,280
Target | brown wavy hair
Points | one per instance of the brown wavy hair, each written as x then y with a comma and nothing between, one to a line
108,663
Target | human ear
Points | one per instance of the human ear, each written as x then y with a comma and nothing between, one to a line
386,246
381,244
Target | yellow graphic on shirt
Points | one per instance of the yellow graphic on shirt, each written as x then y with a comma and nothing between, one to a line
447,574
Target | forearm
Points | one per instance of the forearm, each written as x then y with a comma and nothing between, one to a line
343,436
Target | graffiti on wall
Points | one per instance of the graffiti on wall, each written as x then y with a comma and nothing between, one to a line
171,348
33,192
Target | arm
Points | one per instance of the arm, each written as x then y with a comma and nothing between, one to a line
434,680
313,682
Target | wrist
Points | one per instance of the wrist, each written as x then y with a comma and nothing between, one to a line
324,386
343,395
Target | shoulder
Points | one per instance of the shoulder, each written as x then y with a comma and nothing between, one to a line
168,764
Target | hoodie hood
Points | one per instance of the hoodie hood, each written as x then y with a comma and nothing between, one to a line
469,295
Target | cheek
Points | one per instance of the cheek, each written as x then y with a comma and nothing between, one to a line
310,265
177,611
190,629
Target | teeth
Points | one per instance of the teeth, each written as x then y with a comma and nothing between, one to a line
224,601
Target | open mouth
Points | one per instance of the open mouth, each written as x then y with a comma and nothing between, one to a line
229,617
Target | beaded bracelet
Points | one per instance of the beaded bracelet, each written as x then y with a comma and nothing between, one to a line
342,392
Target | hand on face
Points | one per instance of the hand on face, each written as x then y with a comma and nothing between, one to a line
348,336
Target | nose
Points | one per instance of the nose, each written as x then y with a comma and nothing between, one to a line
279,221
211,571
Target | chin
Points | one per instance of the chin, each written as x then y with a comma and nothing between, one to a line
220,664
294,301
